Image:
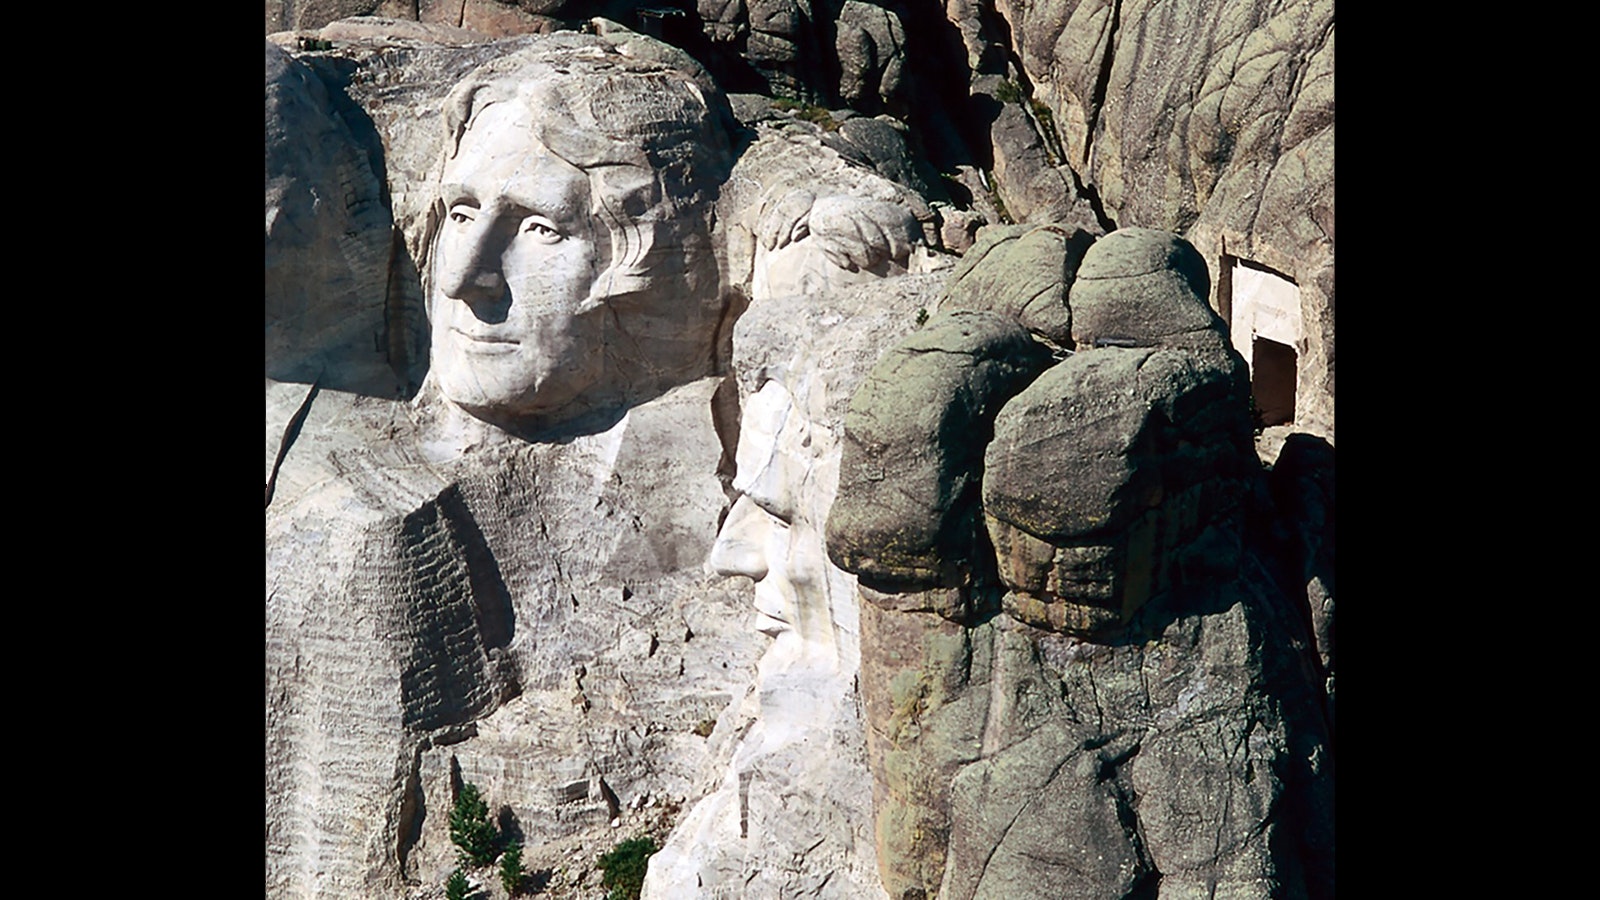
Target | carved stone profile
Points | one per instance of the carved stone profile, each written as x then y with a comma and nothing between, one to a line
773,532
793,774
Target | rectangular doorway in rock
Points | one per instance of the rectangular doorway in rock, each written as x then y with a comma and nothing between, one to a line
1272,377
1262,307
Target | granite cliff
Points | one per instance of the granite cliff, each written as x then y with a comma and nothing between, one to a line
871,449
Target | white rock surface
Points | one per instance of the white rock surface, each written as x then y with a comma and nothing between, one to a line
790,813
409,598
328,239
504,580
803,219
426,566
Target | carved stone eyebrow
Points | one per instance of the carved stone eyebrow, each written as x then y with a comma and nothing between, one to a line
776,507
453,192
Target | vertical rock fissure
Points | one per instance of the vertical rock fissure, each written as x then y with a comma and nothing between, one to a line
1102,81
395,323
1094,692
1084,182
408,827
291,431
1126,806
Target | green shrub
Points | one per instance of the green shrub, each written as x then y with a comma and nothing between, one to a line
999,204
470,829
624,868
1047,125
456,888
1008,92
511,871
810,112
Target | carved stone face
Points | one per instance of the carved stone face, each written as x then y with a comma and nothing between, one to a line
771,535
514,331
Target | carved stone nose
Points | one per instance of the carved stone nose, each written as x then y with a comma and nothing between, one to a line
741,544
472,269
475,284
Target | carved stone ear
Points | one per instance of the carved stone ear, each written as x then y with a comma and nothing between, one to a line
630,243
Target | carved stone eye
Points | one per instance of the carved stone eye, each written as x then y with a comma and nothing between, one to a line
542,229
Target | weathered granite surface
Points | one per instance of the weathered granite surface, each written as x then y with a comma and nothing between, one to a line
1021,744
482,583
1022,272
907,513
434,569
1083,601
1013,762
788,811
329,244
1210,119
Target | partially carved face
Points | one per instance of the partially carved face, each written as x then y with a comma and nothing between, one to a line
771,534
514,330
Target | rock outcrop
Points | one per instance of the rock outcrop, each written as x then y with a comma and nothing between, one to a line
907,512
1211,120
1023,273
1018,763
846,481
329,245
1123,594
447,601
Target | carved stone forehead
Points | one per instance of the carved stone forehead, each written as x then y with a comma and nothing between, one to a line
593,107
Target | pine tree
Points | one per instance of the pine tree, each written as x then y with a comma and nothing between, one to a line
624,868
456,888
511,871
470,829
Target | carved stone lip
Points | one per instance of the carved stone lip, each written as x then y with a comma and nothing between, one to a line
487,341
770,625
